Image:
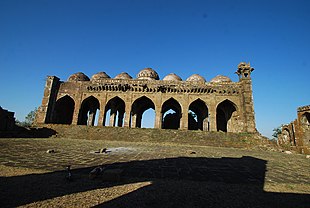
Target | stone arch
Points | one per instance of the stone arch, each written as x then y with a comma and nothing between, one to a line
200,111
226,116
171,120
138,107
64,110
286,136
88,111
116,106
305,118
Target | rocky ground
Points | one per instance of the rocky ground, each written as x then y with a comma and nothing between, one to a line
149,174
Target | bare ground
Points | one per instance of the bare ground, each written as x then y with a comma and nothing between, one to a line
154,175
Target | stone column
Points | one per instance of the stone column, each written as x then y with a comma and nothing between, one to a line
76,113
134,121
120,119
158,118
101,119
127,116
112,117
184,121
91,117
212,117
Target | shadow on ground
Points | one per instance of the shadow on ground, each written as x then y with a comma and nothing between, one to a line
33,132
176,182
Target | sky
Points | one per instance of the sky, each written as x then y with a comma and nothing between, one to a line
61,37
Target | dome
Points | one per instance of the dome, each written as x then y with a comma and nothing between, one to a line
100,75
80,76
196,78
172,77
148,73
123,75
220,78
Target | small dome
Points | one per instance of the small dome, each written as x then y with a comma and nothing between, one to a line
220,78
172,77
123,75
196,78
148,73
80,76
100,75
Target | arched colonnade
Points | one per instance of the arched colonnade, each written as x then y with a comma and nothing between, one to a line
168,114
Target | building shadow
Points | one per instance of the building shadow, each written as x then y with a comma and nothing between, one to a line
175,182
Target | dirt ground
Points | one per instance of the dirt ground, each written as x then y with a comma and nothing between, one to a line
151,175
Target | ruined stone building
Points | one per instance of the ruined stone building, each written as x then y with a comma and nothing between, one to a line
7,120
194,103
297,133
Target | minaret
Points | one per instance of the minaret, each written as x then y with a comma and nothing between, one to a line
244,72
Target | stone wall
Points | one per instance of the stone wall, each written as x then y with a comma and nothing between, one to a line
296,135
7,120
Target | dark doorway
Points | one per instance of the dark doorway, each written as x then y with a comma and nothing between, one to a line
224,113
198,116
64,110
171,111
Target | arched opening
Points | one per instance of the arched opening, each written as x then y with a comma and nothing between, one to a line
305,118
286,136
64,110
140,106
171,111
114,112
225,112
89,108
198,116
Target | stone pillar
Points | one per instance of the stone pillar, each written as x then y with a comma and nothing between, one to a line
184,114
158,118
120,119
112,117
134,121
212,117
76,112
184,121
127,116
139,120
91,117
101,119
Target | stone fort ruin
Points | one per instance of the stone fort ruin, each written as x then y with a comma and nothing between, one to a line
296,134
193,104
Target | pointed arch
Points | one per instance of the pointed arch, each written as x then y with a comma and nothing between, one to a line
115,108
305,118
171,114
89,108
138,108
64,109
225,112
198,115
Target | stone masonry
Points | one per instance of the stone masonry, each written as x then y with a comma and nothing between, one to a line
297,133
217,105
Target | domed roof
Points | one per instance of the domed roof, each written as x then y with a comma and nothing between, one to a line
172,77
220,78
148,73
196,78
100,75
123,75
80,76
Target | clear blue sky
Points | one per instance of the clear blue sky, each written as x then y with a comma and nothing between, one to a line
61,37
